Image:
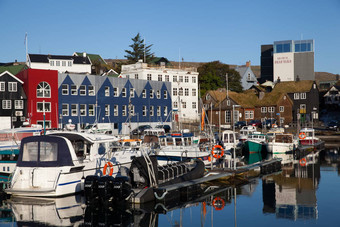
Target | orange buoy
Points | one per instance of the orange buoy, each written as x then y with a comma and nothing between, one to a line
302,135
303,162
218,203
110,165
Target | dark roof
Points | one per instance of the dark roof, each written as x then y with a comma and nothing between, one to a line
93,57
44,58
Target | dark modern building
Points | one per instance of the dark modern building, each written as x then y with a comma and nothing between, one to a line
266,63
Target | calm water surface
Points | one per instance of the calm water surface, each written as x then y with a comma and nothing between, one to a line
305,195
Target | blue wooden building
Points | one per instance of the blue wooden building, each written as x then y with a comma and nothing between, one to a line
88,99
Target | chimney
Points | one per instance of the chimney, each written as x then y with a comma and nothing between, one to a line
261,95
248,63
84,54
278,80
297,78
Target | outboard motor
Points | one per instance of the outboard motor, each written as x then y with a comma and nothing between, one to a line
105,188
121,188
91,188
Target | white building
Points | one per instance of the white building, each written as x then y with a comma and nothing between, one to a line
62,63
293,59
184,86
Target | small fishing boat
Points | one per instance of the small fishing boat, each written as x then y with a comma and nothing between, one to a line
230,140
282,143
56,164
255,143
176,147
307,137
245,131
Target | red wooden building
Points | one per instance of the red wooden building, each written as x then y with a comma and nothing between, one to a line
41,88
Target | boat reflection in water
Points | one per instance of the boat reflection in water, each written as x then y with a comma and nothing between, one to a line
65,211
292,193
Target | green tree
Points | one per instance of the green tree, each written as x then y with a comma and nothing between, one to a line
137,51
212,75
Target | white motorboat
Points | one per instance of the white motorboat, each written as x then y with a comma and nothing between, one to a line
57,164
245,131
180,147
230,140
282,143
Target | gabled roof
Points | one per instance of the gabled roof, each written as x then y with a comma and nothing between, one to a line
294,86
16,78
158,60
42,58
93,57
217,95
13,69
246,99
271,99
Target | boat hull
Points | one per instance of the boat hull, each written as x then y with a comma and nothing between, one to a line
254,146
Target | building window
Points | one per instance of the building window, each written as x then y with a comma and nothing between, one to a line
115,110
2,86
186,91
115,92
132,110
12,86
303,95
184,105
74,90
271,109
248,77
91,90
107,110
282,120
296,96
51,63
69,63
149,77
63,63
228,102
144,111
43,90
64,110
282,109
14,119
160,77
249,114
151,94
43,107
22,118
175,105
158,110
64,89
180,92
180,78
194,79
132,92
136,76
193,92
6,104
82,109
165,111
165,94
186,79
47,123
151,110
227,116
124,110
57,63
167,78
158,94
263,109
174,91
144,93
107,91
207,97
174,78
74,109
19,104
82,90
194,105
124,92
91,109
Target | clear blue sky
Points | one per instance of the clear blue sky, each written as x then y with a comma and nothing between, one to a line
202,31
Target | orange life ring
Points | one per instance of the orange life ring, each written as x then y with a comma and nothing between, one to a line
303,162
218,203
110,165
216,155
302,135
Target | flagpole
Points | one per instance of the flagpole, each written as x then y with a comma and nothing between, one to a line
26,44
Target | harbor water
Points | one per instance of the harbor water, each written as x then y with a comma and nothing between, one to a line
303,193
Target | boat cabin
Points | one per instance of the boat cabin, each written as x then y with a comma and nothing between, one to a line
176,139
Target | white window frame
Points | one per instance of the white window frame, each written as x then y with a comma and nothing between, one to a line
158,94
271,109
45,106
136,76
144,93
74,112
264,109
175,104
124,92
107,110
167,78
296,96
82,111
158,111
174,91
144,111
92,109
151,111
174,79
303,95
227,116
282,109
124,110
19,104
186,79
115,92
160,77
74,89
151,93
65,111
107,91
180,79
194,105
2,86
82,90
91,90
193,92
184,105
132,92
12,86
249,114
165,94
6,104
115,110
180,91
44,88
165,111
57,63
194,79
149,76
186,91
64,89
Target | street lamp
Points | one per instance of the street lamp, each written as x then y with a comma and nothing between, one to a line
234,153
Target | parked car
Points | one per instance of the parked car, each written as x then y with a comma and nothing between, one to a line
240,124
333,125
256,123
140,129
166,128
